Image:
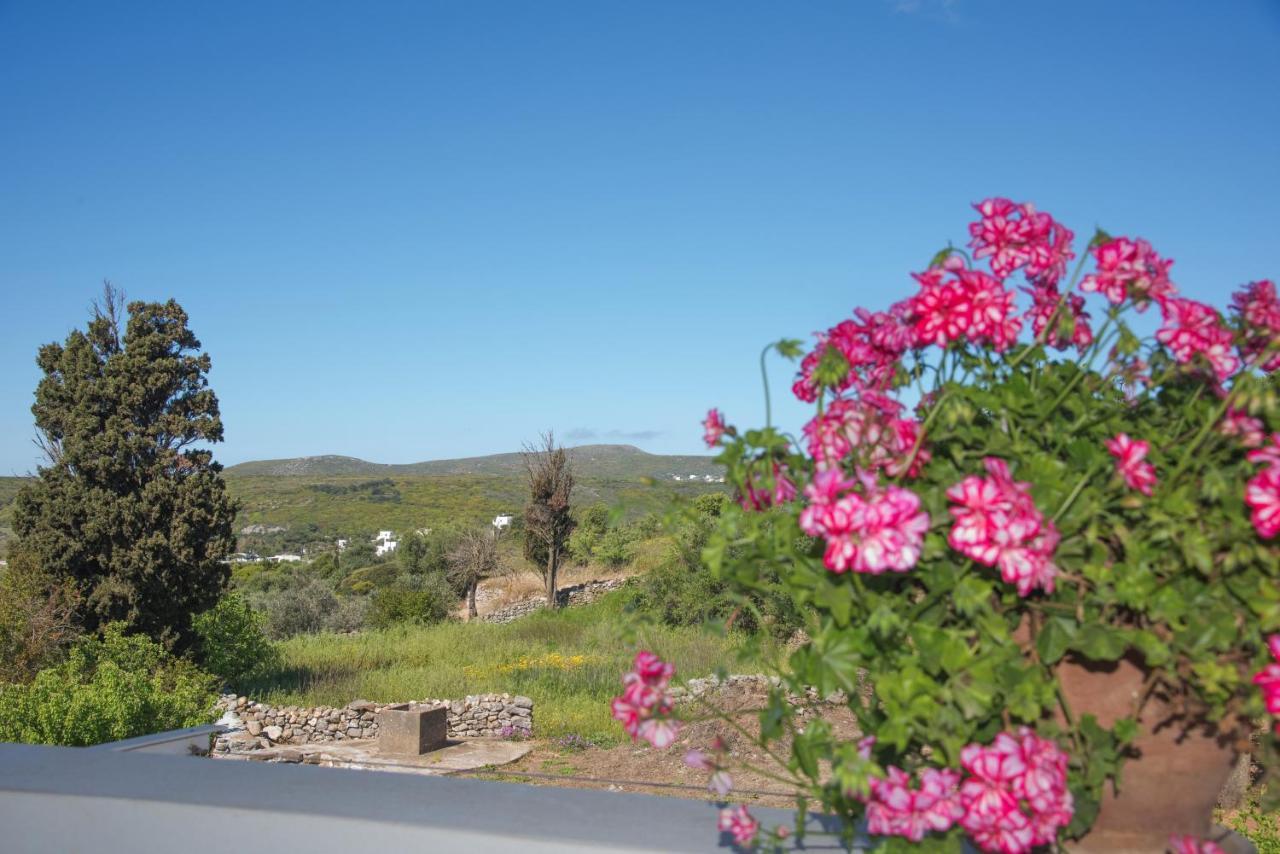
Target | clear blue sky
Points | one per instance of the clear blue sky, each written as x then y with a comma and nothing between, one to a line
421,230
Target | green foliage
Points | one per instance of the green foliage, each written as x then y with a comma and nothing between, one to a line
947,653
232,642
1260,827
305,605
453,659
127,506
680,589
108,689
414,599
37,619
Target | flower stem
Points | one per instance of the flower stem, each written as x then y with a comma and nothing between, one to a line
764,377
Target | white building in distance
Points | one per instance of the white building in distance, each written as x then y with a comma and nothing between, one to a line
385,543
502,520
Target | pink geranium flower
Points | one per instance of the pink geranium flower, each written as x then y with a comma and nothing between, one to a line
713,428
880,531
1262,494
1129,269
1045,300
997,524
872,343
1237,423
738,823
1016,796
1130,465
1016,235
955,303
645,705
870,431
1258,311
757,496
895,808
1268,678
1194,329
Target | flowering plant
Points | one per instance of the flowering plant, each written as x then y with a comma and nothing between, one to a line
985,494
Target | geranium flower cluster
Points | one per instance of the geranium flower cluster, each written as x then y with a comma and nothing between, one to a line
997,524
1238,424
644,707
1258,310
713,428
1194,329
879,530
739,824
872,431
757,495
1016,795
872,343
1268,679
1045,301
896,808
1130,463
1129,269
1014,798
1262,492
1016,235
956,303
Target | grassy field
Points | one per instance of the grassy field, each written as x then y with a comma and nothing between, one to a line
569,663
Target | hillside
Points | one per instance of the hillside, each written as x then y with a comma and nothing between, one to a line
624,462
310,499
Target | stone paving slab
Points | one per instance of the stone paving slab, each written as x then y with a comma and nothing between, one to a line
465,755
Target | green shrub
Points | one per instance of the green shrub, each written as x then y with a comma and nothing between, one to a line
115,687
418,599
616,547
299,609
370,578
232,641
679,590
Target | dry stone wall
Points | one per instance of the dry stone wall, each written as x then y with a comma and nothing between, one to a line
578,594
256,725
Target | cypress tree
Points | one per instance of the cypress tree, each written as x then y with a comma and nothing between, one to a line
130,505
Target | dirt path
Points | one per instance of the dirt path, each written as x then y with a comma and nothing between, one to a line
640,768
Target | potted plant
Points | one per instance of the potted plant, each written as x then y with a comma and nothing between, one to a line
1035,547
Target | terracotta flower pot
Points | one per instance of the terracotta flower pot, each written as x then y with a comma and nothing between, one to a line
1171,784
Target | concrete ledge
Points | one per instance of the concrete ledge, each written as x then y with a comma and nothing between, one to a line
194,740
69,799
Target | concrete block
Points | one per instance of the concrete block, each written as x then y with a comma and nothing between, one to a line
411,731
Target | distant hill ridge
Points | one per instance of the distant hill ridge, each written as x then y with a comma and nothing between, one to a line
592,461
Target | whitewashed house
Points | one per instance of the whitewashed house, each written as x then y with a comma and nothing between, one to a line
502,521
285,558
385,543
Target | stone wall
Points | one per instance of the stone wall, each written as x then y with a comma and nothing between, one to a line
578,594
256,725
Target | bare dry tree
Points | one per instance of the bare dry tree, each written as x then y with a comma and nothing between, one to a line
473,559
547,523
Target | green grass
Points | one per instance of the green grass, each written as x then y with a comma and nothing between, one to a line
453,660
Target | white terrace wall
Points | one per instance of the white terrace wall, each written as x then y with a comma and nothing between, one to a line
578,594
257,725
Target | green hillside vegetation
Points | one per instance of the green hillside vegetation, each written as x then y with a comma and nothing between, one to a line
315,510
590,461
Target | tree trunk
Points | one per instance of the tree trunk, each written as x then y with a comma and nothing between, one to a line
553,564
471,599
